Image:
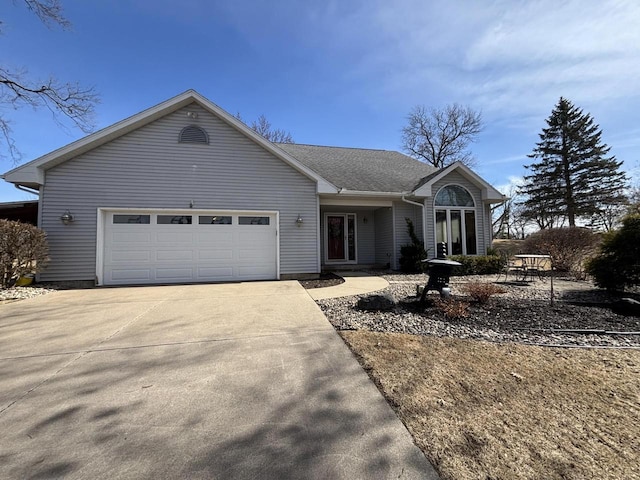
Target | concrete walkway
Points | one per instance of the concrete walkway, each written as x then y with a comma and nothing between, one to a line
233,381
355,283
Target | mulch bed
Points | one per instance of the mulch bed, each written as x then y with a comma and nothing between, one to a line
325,280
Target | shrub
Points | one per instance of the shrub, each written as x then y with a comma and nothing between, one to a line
568,247
478,264
452,309
23,250
481,292
411,255
617,265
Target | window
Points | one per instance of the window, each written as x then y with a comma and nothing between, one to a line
193,134
253,220
214,220
456,220
174,219
131,218
454,196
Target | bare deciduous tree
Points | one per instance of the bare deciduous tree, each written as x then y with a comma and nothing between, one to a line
441,136
49,12
508,218
263,127
63,99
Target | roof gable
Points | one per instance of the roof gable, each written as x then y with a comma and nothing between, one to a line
489,194
32,173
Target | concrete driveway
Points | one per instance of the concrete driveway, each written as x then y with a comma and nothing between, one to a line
199,381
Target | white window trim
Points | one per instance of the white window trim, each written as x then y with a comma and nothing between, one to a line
346,238
447,210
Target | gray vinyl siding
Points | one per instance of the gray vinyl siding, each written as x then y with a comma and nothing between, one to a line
365,232
148,168
402,211
454,178
384,235
488,231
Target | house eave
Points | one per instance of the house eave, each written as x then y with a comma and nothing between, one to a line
360,198
365,193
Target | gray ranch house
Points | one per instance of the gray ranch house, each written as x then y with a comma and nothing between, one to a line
185,192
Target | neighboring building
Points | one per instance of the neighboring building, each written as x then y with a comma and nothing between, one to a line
185,192
25,211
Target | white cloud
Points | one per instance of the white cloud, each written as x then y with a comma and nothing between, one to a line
511,187
587,51
508,58
527,33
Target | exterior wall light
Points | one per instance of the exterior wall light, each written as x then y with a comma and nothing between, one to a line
299,220
67,217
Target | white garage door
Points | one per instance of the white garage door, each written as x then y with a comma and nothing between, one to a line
177,247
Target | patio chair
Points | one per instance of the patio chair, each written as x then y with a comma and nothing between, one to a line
532,267
512,266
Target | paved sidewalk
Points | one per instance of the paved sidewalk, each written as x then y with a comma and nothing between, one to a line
355,283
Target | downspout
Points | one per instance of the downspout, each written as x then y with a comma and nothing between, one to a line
27,189
424,220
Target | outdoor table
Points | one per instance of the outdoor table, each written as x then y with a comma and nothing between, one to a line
531,264
439,271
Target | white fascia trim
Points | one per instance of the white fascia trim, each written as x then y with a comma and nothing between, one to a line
356,202
489,194
364,193
33,172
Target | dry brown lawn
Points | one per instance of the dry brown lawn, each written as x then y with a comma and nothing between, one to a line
480,410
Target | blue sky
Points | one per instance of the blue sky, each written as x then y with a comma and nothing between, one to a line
344,72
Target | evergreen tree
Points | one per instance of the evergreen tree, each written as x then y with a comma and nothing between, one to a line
573,176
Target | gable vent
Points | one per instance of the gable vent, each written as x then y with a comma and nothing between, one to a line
193,134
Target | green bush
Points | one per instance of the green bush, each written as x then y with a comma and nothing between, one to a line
617,264
477,264
23,250
411,255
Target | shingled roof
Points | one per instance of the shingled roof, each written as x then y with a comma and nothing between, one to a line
361,169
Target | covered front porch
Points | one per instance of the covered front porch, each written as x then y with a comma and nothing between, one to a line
364,233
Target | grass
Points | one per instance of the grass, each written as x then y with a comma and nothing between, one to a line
480,410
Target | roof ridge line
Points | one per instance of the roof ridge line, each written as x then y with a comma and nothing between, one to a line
336,146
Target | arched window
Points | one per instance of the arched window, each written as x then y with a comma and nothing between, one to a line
454,196
456,220
193,134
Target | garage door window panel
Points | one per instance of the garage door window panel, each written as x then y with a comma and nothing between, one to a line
253,220
131,219
174,219
214,220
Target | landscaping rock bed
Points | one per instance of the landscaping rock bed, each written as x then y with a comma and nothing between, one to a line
21,293
522,314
